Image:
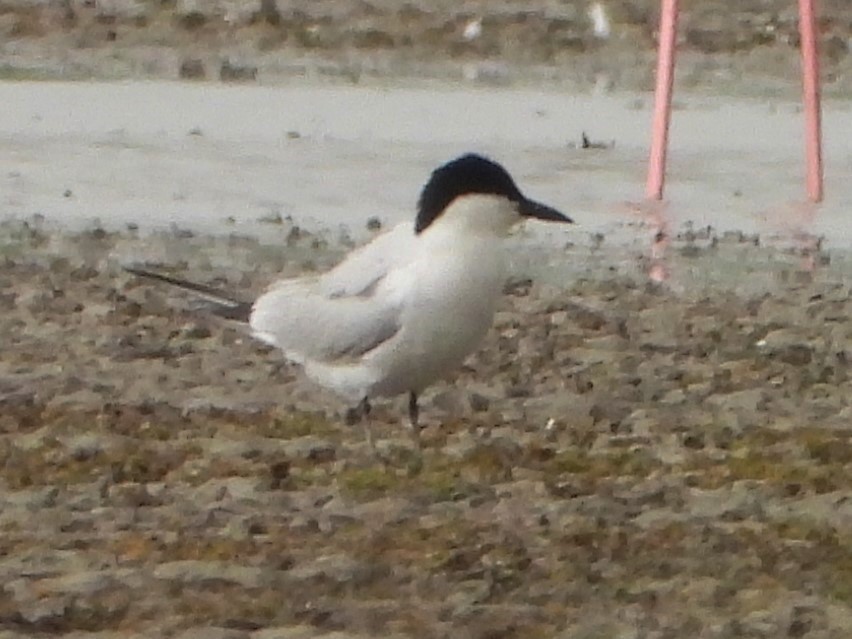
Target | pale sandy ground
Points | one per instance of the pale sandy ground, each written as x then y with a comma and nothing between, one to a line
158,153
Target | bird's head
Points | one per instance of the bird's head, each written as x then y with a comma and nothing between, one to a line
475,191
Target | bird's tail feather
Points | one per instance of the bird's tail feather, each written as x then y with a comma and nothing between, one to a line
218,302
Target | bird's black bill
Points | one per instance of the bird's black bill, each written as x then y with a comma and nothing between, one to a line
531,208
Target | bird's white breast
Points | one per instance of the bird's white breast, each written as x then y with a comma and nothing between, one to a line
451,290
436,290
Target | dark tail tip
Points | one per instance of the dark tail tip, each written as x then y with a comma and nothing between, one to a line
214,300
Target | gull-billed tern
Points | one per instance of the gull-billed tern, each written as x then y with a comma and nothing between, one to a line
407,308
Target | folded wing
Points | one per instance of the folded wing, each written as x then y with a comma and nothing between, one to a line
344,314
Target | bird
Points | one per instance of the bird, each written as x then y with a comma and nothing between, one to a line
406,309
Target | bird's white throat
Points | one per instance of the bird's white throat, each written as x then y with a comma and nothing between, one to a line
477,214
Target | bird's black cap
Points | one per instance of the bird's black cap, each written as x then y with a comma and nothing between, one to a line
473,174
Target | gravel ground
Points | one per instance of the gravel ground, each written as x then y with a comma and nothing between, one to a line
617,461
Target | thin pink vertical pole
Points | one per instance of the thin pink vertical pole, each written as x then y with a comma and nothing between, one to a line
662,100
811,98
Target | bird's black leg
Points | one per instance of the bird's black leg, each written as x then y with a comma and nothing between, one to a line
361,414
413,410
364,408
365,418
414,417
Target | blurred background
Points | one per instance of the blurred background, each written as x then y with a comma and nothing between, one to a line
743,46
206,112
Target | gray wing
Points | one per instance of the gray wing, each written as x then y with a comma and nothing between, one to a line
362,270
342,315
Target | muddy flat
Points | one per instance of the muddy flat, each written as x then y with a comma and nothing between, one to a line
617,460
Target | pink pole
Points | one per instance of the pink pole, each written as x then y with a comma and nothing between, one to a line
811,98
662,100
